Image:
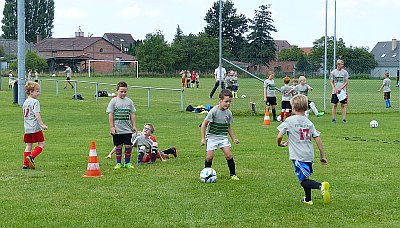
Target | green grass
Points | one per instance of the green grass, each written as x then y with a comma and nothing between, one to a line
363,168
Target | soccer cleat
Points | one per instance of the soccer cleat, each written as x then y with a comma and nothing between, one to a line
175,153
344,121
25,167
303,200
234,177
31,162
210,97
333,120
129,166
326,195
320,114
118,166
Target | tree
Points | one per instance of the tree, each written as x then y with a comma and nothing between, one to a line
261,47
359,60
179,34
155,54
303,65
32,61
39,17
234,26
316,57
291,54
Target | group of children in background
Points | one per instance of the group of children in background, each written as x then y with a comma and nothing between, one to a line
287,91
29,76
232,84
190,79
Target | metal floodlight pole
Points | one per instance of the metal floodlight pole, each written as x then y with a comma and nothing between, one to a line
21,51
334,40
326,50
220,41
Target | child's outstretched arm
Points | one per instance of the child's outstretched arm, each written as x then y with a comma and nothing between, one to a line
203,132
322,156
230,132
279,140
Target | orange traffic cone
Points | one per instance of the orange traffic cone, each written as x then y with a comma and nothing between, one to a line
266,117
93,168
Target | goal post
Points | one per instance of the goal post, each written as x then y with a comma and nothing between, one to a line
118,67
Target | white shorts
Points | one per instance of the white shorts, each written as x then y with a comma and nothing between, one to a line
215,143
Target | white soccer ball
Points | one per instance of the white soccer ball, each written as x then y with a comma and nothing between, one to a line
243,96
113,94
208,175
373,124
53,75
278,118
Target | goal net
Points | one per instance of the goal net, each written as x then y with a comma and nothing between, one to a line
113,67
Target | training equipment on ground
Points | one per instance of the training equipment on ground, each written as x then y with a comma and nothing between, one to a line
208,175
93,168
373,124
115,67
267,121
243,96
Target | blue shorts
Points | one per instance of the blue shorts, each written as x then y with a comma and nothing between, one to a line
303,170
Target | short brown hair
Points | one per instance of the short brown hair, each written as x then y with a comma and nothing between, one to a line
286,80
121,84
225,93
270,72
31,86
152,129
299,103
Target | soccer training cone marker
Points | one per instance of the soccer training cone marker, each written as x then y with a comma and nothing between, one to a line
266,117
93,168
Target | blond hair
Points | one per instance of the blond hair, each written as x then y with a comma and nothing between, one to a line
299,103
31,86
302,78
387,74
339,61
270,72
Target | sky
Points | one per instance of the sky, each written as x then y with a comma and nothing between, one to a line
360,23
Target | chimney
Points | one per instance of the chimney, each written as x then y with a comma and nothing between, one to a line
79,33
38,38
394,44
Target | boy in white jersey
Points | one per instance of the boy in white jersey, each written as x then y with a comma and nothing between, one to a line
339,79
269,93
286,96
303,88
33,125
121,117
386,89
300,131
215,129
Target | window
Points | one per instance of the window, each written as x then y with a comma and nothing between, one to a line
384,45
394,55
101,50
383,55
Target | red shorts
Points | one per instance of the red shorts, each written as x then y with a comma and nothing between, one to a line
183,80
34,137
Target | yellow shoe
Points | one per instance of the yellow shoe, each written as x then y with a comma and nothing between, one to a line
118,166
234,177
326,195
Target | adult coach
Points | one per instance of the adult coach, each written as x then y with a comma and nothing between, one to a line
68,72
219,75
339,80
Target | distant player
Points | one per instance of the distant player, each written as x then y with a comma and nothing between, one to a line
300,131
235,84
215,130
121,117
286,96
303,88
339,79
68,72
269,93
386,89
33,125
10,79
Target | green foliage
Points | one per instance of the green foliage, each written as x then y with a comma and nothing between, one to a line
178,35
291,54
39,17
32,61
303,65
362,168
359,60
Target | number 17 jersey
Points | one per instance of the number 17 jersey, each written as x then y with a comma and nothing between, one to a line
300,131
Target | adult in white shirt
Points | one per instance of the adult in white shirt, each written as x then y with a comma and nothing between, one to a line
219,75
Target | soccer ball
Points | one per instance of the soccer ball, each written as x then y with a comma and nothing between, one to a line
208,175
243,96
373,124
278,118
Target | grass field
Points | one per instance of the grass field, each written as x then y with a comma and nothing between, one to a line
363,168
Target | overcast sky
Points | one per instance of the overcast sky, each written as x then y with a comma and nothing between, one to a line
359,22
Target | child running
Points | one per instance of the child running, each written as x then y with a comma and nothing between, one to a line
386,89
121,117
215,129
33,125
300,131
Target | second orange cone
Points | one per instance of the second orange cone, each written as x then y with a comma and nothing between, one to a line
93,168
266,117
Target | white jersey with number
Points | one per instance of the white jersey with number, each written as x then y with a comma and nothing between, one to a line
300,131
31,123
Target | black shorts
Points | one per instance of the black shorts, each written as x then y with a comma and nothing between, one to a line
68,78
125,139
286,105
335,100
271,101
386,95
235,87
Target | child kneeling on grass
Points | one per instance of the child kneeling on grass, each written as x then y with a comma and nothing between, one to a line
300,130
